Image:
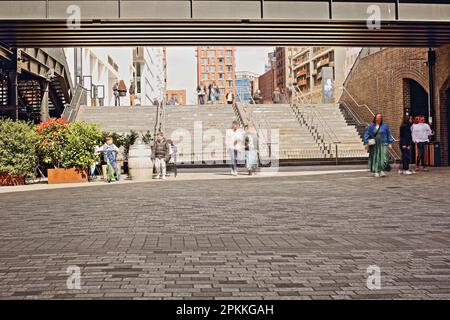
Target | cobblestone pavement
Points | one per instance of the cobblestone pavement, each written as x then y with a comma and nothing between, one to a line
304,237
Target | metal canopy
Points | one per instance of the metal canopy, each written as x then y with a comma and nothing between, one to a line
55,33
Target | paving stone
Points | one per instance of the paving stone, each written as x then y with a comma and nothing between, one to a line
267,238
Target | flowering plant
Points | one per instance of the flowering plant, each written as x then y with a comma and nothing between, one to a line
51,138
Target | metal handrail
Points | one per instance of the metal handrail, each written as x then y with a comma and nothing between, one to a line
350,73
257,121
354,115
392,151
71,110
357,104
297,93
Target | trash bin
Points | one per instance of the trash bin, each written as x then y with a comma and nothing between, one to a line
432,154
436,146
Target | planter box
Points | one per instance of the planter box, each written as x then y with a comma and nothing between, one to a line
8,180
70,175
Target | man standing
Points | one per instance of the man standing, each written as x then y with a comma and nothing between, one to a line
201,93
230,97
160,155
115,89
132,91
421,133
233,143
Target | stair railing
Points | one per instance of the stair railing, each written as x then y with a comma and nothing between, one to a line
297,95
354,115
260,123
71,110
393,152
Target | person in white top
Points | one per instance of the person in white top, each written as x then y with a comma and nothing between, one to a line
421,132
233,141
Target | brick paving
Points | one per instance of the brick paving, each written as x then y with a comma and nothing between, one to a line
299,237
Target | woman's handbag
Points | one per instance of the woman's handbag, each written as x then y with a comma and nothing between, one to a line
372,142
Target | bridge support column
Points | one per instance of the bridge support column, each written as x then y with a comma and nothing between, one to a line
13,95
44,101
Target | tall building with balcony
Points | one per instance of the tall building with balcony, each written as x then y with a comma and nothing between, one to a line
283,70
308,70
217,64
149,74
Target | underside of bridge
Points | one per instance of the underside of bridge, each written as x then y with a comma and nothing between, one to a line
55,33
358,23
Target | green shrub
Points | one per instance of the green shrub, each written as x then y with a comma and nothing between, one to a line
79,148
17,148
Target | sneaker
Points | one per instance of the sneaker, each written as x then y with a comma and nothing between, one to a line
157,176
425,170
235,173
163,177
408,172
382,174
377,175
401,171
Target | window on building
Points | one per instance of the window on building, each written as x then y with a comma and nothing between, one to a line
221,60
205,76
211,53
221,76
229,68
212,68
229,53
205,60
230,83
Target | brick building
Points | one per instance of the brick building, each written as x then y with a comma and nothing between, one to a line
283,68
395,82
217,64
176,96
266,84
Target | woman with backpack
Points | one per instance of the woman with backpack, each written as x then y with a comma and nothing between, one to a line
377,140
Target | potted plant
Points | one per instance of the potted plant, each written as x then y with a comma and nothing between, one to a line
69,148
79,149
17,152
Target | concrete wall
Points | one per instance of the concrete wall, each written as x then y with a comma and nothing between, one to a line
215,9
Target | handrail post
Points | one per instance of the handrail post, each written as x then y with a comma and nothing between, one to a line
337,156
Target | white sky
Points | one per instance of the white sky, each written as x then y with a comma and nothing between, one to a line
182,66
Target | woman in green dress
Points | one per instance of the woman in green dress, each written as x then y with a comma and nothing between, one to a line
377,140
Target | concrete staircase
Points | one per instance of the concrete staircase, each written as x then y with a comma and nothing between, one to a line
120,119
199,132
295,141
328,126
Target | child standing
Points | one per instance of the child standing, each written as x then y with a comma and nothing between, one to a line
110,152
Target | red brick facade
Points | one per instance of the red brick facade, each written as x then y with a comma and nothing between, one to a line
380,81
266,83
